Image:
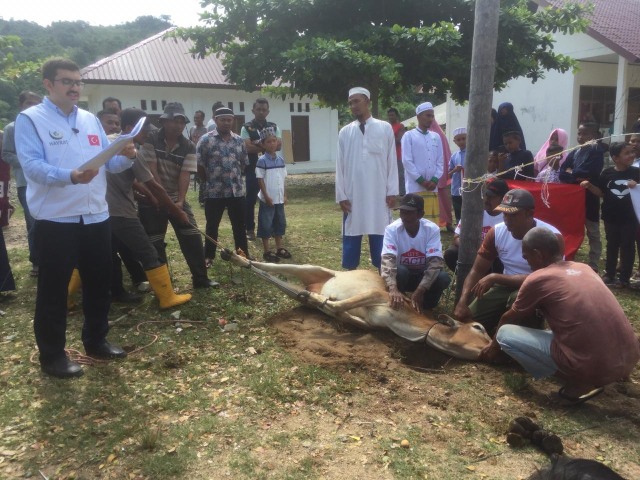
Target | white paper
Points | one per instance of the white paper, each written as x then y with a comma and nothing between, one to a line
635,199
113,149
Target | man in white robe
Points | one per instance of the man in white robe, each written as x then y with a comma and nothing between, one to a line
423,160
366,180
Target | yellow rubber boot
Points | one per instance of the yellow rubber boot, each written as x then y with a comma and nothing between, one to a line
74,285
161,284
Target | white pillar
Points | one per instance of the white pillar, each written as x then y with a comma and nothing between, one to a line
622,88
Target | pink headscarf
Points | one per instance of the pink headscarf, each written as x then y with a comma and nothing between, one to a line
540,159
443,200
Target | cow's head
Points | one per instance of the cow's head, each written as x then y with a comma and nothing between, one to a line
460,340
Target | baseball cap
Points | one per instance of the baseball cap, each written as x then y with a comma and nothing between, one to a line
173,110
411,202
516,199
496,187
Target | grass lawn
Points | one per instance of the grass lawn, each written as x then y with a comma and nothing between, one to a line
266,401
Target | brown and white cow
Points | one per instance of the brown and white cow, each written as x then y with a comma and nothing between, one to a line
359,298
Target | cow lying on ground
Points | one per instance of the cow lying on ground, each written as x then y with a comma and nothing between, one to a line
359,298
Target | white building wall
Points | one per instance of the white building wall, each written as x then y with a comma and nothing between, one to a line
323,122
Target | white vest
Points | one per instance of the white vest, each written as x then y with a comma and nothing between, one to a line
66,149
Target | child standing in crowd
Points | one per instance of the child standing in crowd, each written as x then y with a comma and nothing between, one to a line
620,222
516,156
550,174
456,167
271,172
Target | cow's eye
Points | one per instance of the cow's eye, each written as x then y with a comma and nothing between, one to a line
477,326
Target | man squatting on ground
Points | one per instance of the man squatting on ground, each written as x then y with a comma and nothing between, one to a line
53,140
412,257
590,343
494,292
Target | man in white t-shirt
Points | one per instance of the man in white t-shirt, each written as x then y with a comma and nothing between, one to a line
494,190
412,257
493,293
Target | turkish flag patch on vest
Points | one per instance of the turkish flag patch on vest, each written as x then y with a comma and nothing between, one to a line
94,140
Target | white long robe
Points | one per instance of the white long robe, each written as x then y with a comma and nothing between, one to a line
366,174
421,157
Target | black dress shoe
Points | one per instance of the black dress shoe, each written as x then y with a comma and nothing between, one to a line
62,368
127,297
206,284
105,350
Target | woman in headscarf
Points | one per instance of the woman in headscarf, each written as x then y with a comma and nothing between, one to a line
557,137
495,138
508,122
444,191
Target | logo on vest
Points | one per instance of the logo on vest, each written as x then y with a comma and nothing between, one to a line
413,259
94,140
56,135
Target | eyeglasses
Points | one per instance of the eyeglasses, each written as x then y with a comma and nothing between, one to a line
67,82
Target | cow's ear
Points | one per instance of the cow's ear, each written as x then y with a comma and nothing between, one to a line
447,320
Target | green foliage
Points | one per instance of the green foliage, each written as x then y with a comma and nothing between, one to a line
24,45
323,47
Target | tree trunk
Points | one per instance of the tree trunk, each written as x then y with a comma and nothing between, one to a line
483,64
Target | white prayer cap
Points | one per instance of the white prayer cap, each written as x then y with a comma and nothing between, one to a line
423,106
360,90
459,131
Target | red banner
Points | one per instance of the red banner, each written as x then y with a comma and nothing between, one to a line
565,210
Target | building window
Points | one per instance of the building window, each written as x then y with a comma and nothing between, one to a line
143,104
230,105
299,107
164,104
154,105
292,107
242,106
597,104
307,108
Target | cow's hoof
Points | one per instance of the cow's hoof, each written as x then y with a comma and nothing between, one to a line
225,255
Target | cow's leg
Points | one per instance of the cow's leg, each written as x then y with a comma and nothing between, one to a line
364,299
326,306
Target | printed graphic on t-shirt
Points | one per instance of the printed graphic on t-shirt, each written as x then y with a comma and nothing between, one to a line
619,188
414,259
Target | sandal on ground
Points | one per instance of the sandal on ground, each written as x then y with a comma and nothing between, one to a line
271,257
283,253
570,401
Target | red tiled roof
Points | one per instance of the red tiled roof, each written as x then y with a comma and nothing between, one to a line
614,23
158,61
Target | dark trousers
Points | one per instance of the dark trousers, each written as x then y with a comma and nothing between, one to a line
620,238
61,247
456,200
251,183
120,254
130,233
213,210
408,280
155,223
30,224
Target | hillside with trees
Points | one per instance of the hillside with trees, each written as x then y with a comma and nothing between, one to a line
24,45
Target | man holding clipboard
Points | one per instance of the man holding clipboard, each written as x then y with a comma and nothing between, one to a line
59,147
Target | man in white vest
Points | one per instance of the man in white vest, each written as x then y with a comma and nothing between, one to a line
53,140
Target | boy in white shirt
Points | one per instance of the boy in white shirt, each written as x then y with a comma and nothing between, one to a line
271,172
412,257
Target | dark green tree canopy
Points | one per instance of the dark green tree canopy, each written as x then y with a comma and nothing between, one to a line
323,47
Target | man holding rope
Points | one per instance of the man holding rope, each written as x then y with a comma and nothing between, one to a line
53,140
